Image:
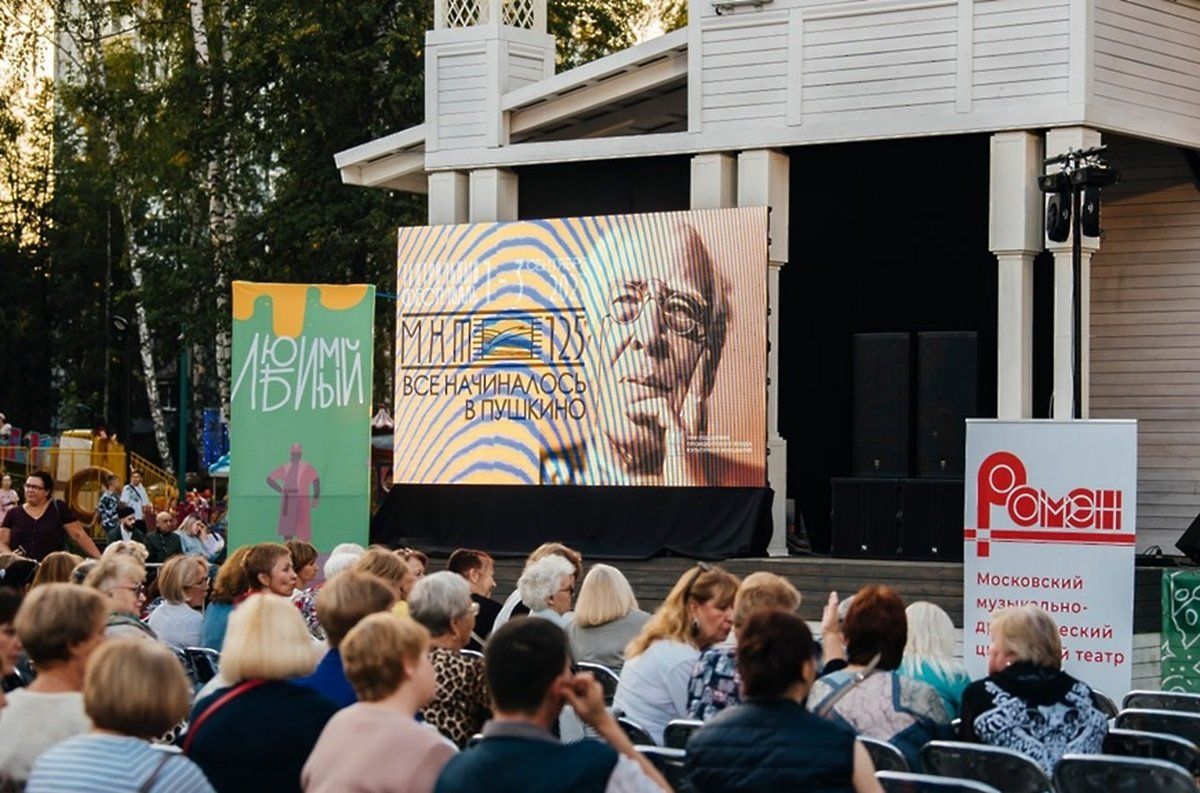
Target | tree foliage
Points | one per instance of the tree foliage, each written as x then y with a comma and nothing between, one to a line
108,176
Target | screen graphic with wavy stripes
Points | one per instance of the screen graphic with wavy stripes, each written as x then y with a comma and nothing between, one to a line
615,350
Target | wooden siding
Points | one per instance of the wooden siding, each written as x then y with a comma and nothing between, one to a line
524,69
745,69
1147,57
1145,330
461,99
1020,51
804,64
856,60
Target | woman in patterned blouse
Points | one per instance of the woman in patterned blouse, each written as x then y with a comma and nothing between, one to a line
715,684
442,603
106,507
870,695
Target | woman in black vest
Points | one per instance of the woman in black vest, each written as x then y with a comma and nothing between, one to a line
771,742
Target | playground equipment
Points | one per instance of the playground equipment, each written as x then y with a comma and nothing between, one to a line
80,462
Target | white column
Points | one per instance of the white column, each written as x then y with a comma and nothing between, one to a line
763,180
714,181
447,198
1015,236
493,195
1057,142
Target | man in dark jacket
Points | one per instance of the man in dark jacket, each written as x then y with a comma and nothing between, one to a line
126,528
529,675
163,542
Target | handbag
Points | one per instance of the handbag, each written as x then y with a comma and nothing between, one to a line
228,696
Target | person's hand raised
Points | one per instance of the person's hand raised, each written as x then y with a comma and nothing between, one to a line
586,696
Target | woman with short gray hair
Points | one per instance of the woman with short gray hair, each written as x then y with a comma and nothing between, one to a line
547,587
442,603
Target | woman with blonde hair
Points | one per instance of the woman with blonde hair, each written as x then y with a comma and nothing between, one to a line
122,580
715,684
56,568
697,614
607,618
131,548
183,583
376,745
126,714
60,626
195,539
266,647
929,654
394,572
1027,702
228,589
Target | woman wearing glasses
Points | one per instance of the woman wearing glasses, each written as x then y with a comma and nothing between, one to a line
547,587
41,525
697,614
183,582
442,603
121,579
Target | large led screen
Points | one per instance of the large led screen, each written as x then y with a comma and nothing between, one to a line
616,350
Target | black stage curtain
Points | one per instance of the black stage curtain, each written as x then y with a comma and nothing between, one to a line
599,522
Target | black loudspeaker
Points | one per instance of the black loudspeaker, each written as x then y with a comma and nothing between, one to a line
881,404
1089,211
864,518
1189,543
947,395
1058,216
931,519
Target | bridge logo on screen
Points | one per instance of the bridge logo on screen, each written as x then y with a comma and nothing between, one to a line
507,339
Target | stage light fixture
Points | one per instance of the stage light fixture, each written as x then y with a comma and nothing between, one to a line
1058,217
1089,211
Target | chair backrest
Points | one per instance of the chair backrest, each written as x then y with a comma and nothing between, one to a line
884,756
1001,768
472,654
1083,773
474,740
670,763
206,662
607,678
186,662
1172,722
901,782
1162,700
635,732
1107,704
1154,746
678,731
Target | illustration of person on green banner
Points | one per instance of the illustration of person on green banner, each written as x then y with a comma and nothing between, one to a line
292,481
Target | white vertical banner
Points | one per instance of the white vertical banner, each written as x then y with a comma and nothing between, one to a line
1049,519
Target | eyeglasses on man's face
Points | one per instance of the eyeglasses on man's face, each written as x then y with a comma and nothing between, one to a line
681,313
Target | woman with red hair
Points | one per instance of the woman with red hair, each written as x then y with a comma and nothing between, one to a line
870,695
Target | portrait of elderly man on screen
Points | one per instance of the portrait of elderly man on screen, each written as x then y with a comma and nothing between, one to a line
658,310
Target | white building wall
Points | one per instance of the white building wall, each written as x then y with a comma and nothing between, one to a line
1145,329
1147,67
1020,50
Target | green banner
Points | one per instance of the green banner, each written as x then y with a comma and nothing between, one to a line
300,433
1181,631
